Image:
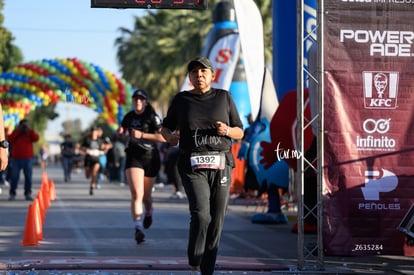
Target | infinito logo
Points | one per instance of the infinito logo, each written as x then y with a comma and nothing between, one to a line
380,126
380,90
375,140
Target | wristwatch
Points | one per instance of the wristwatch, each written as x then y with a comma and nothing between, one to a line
4,144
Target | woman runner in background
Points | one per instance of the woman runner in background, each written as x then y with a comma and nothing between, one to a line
142,126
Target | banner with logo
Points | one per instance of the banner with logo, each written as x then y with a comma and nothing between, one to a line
369,127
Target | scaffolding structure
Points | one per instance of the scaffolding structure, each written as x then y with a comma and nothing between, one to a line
310,248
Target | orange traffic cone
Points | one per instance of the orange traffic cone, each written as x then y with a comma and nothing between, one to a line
52,192
46,195
30,237
44,178
41,206
38,220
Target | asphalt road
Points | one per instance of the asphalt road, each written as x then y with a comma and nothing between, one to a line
85,234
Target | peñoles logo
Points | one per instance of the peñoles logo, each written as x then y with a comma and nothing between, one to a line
375,183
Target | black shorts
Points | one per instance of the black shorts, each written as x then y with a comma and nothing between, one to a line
147,159
90,161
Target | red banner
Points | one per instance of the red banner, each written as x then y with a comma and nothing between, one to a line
369,127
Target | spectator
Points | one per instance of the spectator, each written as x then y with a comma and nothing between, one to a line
22,139
173,175
67,149
119,159
43,155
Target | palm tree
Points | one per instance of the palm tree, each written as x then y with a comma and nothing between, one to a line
153,55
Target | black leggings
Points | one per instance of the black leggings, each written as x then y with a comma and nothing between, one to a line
207,192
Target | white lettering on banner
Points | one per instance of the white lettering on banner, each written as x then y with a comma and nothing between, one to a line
383,43
401,1
387,37
370,143
358,1
380,1
378,206
380,102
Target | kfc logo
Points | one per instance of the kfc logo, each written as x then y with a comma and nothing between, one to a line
380,90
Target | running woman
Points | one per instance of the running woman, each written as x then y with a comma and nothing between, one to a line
142,126
204,121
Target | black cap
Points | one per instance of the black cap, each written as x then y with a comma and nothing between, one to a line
200,60
140,93
94,128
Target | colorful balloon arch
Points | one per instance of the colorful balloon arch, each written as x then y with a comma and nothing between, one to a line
40,83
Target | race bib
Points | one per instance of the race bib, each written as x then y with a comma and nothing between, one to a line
95,152
208,160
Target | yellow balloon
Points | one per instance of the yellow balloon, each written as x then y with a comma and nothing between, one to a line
46,101
114,105
113,86
105,116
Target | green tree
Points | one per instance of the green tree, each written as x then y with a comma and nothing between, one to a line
265,7
10,55
152,55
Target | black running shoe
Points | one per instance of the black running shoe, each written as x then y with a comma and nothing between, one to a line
139,236
147,221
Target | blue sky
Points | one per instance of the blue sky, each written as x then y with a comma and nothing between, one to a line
67,28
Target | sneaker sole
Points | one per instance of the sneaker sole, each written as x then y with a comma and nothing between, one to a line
139,237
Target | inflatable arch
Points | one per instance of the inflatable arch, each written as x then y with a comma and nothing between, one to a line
48,81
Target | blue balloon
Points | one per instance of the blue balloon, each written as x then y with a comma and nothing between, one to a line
120,114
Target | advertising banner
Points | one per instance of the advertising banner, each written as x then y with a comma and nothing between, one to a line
369,127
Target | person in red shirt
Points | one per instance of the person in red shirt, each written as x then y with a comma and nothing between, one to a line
21,153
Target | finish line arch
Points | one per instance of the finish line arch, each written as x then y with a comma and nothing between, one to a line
48,81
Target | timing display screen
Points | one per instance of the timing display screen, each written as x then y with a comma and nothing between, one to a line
150,4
